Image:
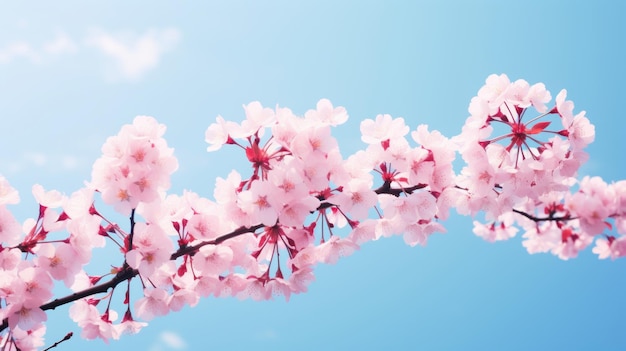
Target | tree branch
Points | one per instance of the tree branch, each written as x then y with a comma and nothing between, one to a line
190,250
67,337
387,189
128,273
543,219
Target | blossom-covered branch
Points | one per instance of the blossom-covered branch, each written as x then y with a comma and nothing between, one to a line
301,203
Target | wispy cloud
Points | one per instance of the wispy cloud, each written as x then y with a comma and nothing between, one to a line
38,160
61,44
19,50
173,340
169,340
133,55
128,55
22,50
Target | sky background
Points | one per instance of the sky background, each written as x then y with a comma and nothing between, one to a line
72,73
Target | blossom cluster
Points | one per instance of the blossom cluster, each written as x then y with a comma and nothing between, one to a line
300,203
524,176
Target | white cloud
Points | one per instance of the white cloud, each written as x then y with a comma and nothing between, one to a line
60,45
172,340
19,50
69,162
27,161
22,50
133,55
130,55
36,159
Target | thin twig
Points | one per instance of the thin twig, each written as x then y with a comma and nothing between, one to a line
67,337
543,219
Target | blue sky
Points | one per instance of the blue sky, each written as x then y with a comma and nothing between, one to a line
73,73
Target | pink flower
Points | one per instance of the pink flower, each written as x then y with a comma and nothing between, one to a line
129,325
571,243
327,114
51,198
313,140
418,233
397,208
494,231
564,108
538,96
357,198
31,339
495,91
301,278
334,248
593,204
83,310
383,128
207,285
153,304
8,194
100,327
203,226
278,287
35,284
408,210
60,261
212,260
610,247
182,297
79,203
10,228
307,256
255,289
365,231
217,134
517,93
151,248
84,236
287,126
25,315
260,203
315,171
294,212
257,118
231,285
9,259
542,238
581,131
135,165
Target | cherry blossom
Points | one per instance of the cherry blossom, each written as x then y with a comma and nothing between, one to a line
384,127
610,247
326,113
8,194
153,304
298,204
10,228
151,248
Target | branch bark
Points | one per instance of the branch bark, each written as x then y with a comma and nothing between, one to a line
128,273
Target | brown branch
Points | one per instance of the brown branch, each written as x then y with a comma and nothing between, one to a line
128,272
67,337
387,189
191,250
97,289
543,219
